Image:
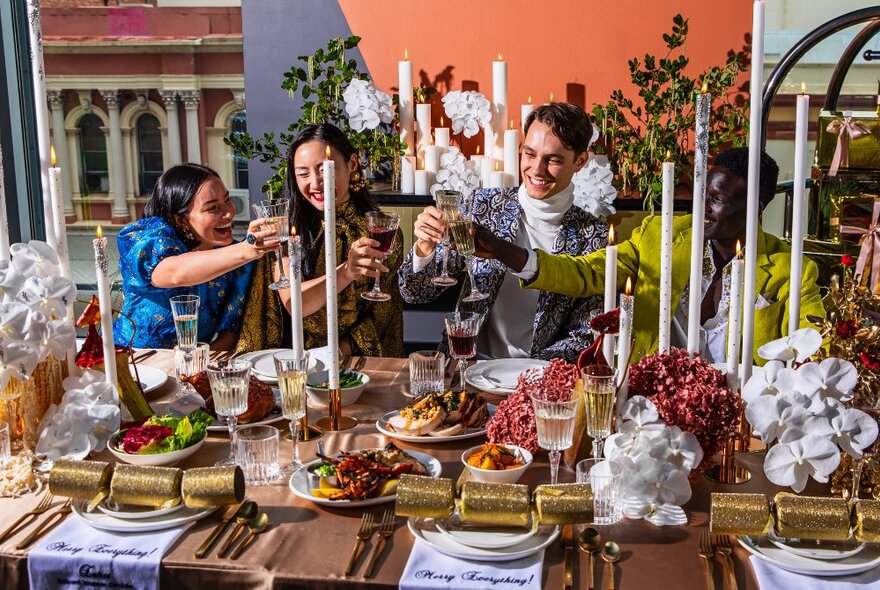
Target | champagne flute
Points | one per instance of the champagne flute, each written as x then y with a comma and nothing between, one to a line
275,215
229,386
448,203
555,422
599,393
381,227
185,309
461,228
461,330
292,369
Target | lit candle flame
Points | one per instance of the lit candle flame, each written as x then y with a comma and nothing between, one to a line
478,150
500,58
497,167
803,87
551,97
99,232
441,120
511,123
52,153
668,155
293,231
611,235
705,88
629,285
405,55
327,152
738,248
530,100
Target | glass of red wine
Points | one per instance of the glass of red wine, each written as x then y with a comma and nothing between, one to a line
381,227
461,329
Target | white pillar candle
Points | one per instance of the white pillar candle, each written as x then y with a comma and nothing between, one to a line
405,104
499,105
798,210
4,218
105,306
627,302
432,159
496,179
329,172
511,156
486,165
701,149
407,168
294,261
666,255
423,126
441,135
756,86
610,292
734,319
525,111
421,184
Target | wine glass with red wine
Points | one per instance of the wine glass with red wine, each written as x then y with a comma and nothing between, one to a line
381,227
461,329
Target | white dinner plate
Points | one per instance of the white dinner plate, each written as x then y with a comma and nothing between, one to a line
105,522
151,378
860,562
300,485
825,550
274,416
263,365
500,376
484,536
384,428
426,529
135,512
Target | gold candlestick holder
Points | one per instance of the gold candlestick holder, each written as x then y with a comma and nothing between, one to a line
728,472
308,432
336,421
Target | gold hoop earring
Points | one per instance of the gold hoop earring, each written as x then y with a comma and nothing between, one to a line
356,181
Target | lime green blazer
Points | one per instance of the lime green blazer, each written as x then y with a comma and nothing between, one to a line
639,257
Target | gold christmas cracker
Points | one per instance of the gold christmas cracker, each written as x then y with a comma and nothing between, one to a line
425,497
564,503
867,527
808,517
495,503
136,485
740,514
212,486
83,480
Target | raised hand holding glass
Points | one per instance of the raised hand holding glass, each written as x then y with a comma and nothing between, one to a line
275,215
381,227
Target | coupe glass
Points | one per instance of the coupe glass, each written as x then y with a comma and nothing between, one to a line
555,421
292,369
461,330
460,227
599,393
275,218
448,203
382,227
229,387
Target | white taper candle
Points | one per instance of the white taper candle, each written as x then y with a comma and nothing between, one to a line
695,300
734,319
105,306
329,173
798,211
666,256
610,292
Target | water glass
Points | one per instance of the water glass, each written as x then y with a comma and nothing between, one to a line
275,218
5,444
426,368
257,452
600,390
185,309
555,421
605,478
188,363
461,330
229,386
292,369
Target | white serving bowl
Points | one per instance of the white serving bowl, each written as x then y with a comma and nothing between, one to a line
157,459
497,475
320,397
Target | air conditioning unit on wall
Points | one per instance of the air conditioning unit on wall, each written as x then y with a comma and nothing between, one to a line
241,200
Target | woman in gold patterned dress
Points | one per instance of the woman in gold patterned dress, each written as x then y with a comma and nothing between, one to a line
365,328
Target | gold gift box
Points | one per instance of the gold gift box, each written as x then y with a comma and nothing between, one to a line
863,153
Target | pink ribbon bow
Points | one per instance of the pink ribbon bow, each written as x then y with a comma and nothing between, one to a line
870,253
845,130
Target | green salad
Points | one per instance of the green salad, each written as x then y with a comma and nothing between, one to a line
347,380
164,434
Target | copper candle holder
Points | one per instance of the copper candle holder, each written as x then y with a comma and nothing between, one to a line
336,421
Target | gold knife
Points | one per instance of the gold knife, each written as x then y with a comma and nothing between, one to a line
568,553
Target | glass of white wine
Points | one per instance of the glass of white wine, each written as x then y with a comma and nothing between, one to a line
229,388
448,203
292,368
461,227
275,217
600,392
555,421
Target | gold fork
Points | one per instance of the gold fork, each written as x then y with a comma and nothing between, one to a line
40,508
386,529
707,553
724,548
363,534
47,525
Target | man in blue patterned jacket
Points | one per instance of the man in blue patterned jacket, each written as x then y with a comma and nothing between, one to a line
540,212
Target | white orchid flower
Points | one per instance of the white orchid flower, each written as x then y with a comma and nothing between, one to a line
832,378
60,339
366,105
36,258
51,295
792,463
17,360
667,515
681,449
640,410
468,111
593,191
14,318
851,429
772,416
456,173
11,281
770,379
659,482
797,346
86,378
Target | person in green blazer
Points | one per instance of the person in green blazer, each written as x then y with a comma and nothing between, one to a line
639,258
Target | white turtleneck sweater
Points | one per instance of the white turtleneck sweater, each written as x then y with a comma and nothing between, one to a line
509,328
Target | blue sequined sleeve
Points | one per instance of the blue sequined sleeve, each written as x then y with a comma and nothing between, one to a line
142,246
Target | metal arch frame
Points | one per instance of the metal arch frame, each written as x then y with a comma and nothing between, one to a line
810,40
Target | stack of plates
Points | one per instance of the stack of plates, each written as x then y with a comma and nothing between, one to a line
814,559
500,376
263,363
110,517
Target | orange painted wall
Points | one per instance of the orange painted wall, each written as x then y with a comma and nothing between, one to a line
547,44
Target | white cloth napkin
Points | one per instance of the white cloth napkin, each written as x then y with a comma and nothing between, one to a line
771,577
76,555
428,568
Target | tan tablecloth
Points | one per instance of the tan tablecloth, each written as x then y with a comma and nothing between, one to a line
308,545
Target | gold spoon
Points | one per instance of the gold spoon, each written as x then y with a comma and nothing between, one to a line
610,554
243,517
590,541
259,524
